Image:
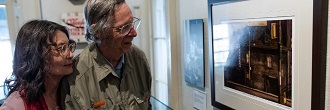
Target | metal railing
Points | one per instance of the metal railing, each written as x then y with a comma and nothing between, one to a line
5,93
155,103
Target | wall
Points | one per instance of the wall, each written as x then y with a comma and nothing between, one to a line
19,12
140,9
193,9
53,9
22,11
175,96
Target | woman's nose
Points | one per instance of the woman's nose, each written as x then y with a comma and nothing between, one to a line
70,56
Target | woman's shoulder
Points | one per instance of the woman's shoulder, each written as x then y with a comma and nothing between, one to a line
13,102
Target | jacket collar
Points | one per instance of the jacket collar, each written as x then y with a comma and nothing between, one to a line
103,67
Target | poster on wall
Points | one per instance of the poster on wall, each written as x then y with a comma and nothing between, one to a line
74,21
260,58
194,53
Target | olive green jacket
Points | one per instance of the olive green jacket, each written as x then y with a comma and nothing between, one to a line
94,80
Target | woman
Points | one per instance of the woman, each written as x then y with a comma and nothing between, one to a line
43,55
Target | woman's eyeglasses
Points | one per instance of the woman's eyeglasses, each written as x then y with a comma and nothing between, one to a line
125,29
65,48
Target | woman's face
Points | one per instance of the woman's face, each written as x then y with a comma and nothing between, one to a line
60,60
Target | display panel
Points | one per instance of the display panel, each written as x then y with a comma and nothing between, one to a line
194,53
255,57
258,71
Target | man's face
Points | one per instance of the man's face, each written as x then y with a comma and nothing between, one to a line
120,42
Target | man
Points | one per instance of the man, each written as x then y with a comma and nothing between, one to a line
110,73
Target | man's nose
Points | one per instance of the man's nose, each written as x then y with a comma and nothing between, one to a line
132,32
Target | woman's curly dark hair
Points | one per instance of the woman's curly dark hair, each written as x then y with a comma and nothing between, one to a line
31,58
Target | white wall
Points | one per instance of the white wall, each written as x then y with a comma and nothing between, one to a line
140,9
53,9
174,83
180,95
193,9
19,12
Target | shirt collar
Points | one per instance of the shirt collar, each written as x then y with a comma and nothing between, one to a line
120,64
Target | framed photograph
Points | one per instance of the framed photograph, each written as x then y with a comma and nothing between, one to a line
255,57
262,57
74,21
194,53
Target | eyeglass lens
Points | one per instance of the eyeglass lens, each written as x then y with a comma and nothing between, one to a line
127,28
66,48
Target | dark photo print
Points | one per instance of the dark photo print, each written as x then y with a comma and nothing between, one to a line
259,60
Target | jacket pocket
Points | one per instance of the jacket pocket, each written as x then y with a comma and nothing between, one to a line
142,97
142,100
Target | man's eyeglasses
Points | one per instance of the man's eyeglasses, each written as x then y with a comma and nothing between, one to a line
65,48
125,29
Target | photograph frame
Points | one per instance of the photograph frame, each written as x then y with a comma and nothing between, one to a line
74,22
320,17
